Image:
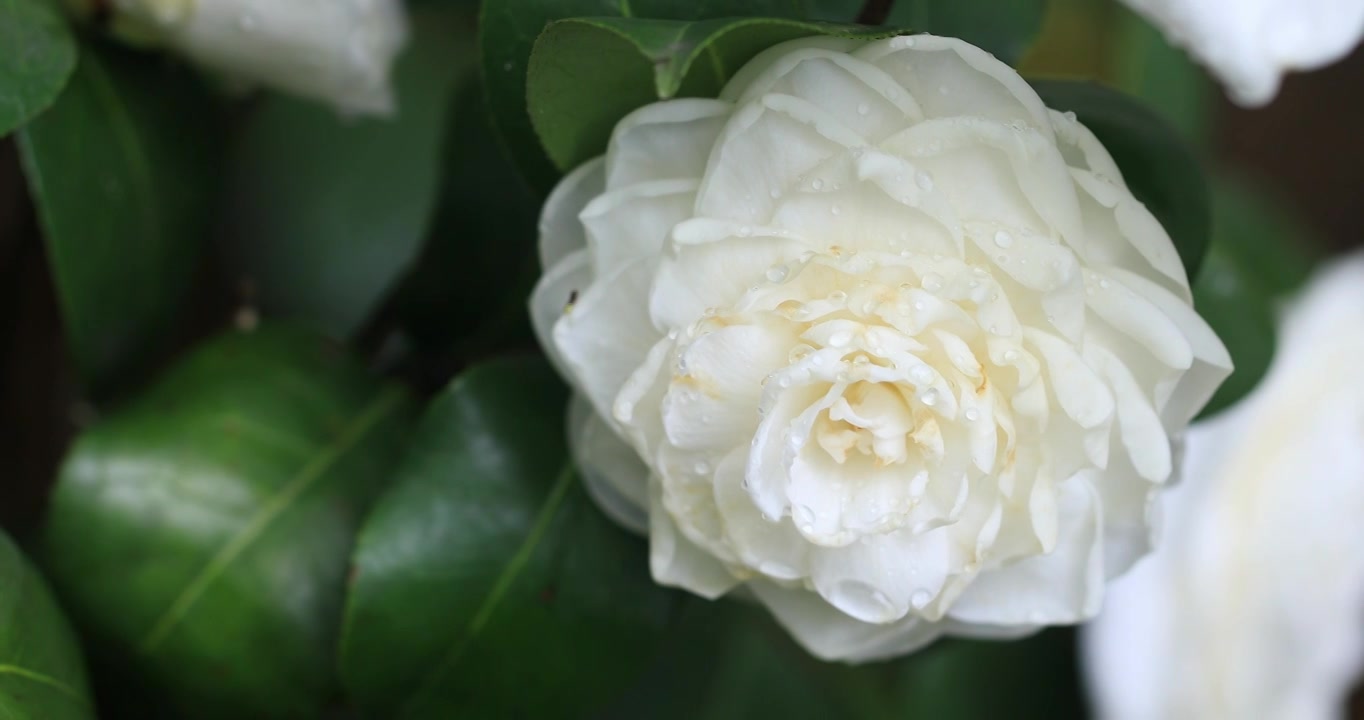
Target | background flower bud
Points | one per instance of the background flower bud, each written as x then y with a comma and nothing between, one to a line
337,51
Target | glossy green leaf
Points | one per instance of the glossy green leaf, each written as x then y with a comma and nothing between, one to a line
1158,166
509,28
1257,257
728,659
486,583
123,170
37,55
200,535
587,73
329,212
41,674
1006,29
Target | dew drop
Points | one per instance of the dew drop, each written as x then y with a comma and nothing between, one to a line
745,231
778,273
972,415
932,282
774,193
817,183
1010,355
804,516
921,374
840,339
920,599
929,397
924,180
701,467
863,109
1003,239
834,209
838,296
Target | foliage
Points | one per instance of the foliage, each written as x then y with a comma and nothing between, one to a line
364,499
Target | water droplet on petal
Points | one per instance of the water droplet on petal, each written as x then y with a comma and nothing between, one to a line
863,109
838,296
972,415
778,273
701,467
817,183
1003,239
924,180
840,339
929,397
920,599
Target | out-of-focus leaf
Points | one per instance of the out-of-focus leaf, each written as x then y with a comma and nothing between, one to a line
486,583
728,659
588,73
37,55
1146,65
1006,29
41,675
200,535
123,169
329,211
508,29
467,293
1158,166
1258,256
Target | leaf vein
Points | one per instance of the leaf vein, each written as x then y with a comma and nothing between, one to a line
502,585
307,475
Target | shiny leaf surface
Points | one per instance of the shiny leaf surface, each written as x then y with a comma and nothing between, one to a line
200,535
486,583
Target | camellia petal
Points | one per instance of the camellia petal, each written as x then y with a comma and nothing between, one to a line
1250,44
892,339
1250,605
339,52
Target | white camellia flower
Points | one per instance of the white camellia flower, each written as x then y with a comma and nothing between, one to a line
338,51
1250,44
1253,605
891,344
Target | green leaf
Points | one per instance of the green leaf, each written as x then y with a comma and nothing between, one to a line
1257,257
466,294
587,73
123,171
486,583
728,659
509,28
1006,29
1159,167
37,55
1145,64
200,535
329,212
41,675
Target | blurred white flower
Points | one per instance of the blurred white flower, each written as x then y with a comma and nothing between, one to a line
1250,44
1253,605
892,344
338,51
